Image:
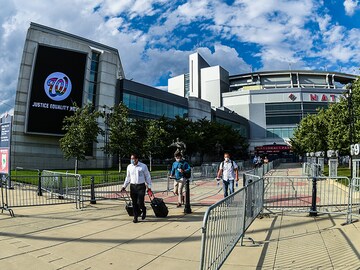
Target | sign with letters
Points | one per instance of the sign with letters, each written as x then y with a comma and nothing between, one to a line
355,149
57,82
5,134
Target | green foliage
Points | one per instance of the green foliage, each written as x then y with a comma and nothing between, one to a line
81,131
329,128
121,132
155,140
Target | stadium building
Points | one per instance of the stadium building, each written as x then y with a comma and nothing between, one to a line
273,102
59,69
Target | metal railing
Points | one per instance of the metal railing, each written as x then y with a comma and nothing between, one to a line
354,201
226,222
311,169
101,187
330,195
36,190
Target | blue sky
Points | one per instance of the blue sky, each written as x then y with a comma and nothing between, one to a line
155,37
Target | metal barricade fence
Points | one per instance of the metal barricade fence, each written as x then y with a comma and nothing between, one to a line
330,195
226,221
103,187
354,201
209,170
288,193
36,190
311,169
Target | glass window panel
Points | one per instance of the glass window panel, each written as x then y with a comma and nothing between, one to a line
146,105
139,104
132,102
176,110
95,56
126,100
291,132
159,108
93,76
285,133
94,66
153,107
170,110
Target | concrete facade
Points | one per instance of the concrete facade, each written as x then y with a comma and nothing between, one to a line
43,151
177,85
199,109
213,79
273,102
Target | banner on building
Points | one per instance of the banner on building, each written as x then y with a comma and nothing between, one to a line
57,82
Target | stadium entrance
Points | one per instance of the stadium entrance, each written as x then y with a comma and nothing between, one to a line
276,151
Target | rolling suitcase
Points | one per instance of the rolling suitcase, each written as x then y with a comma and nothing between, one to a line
158,205
128,203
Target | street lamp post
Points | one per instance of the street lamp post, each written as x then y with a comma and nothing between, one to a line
351,125
107,113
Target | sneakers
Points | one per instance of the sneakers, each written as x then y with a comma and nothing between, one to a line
178,205
135,220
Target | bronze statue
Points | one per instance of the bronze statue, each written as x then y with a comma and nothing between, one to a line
180,146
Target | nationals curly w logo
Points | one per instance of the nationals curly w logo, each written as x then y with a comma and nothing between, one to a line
57,86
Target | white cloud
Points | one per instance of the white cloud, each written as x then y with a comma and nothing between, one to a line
155,37
351,6
226,57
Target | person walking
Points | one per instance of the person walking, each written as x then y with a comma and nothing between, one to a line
180,170
228,172
137,175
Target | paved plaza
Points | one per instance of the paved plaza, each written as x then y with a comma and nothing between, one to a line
102,236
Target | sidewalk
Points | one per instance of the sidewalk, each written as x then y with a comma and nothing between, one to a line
102,236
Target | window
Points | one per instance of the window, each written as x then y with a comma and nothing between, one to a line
282,119
286,132
147,108
93,79
140,104
126,100
153,107
132,103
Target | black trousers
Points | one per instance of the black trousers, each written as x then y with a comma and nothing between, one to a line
137,194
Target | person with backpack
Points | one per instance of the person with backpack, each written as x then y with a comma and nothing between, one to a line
180,171
228,172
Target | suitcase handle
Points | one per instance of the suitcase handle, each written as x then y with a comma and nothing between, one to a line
125,195
151,195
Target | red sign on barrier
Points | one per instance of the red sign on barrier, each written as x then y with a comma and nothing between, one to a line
4,158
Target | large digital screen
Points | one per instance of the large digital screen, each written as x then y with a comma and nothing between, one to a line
57,82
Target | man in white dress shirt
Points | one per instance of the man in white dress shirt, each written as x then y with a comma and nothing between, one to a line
137,174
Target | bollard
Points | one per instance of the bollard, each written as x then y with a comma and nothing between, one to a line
39,184
92,191
313,211
187,208
244,180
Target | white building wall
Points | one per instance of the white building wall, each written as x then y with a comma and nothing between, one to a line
214,81
176,85
196,63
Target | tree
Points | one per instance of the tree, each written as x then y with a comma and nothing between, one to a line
311,133
154,142
82,131
329,128
121,133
